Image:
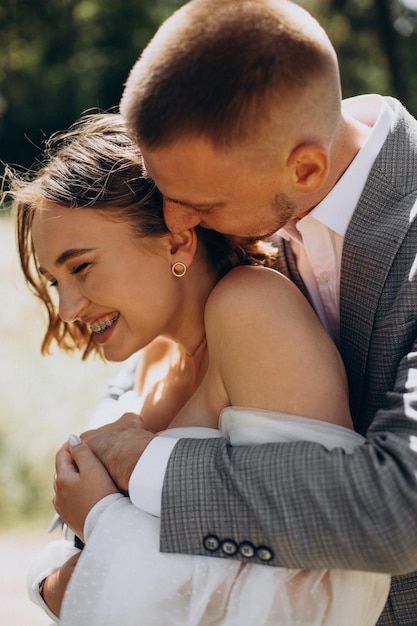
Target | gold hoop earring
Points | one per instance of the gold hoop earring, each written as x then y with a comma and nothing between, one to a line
178,269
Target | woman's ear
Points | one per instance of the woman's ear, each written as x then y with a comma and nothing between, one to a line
183,246
309,164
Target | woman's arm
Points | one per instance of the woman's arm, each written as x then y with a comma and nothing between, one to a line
55,585
83,490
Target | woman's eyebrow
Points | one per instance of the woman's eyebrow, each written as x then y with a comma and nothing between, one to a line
66,256
70,254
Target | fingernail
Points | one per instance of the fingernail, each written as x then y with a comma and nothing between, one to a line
74,440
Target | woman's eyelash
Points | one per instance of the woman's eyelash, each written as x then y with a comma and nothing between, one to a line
80,268
76,270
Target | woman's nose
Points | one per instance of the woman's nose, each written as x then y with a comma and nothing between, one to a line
179,218
71,303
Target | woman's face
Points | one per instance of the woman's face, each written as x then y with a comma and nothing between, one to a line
120,286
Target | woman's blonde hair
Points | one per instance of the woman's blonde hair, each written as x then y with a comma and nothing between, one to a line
95,165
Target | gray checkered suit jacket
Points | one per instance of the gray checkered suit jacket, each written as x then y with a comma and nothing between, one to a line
311,508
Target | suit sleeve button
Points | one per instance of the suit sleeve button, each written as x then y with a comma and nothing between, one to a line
211,543
247,549
229,547
264,553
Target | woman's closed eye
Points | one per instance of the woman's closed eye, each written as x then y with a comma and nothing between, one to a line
79,268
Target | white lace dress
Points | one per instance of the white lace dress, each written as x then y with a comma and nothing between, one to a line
123,579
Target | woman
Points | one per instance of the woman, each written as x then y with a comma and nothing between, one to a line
95,249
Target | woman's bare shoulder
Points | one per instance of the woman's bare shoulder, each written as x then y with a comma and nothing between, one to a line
246,289
271,350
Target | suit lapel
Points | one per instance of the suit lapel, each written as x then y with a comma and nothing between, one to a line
287,264
377,229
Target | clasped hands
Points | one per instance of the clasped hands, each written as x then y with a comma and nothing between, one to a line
87,473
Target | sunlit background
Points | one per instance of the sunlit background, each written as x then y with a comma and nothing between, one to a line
60,58
42,401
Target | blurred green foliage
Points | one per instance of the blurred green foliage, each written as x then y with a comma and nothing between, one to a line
376,42
25,487
61,57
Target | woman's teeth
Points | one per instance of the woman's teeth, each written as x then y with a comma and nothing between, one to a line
100,328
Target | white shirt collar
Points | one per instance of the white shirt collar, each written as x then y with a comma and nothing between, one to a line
336,209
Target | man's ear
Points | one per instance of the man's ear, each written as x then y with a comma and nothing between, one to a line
309,165
183,246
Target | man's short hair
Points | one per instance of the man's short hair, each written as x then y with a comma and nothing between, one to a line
215,68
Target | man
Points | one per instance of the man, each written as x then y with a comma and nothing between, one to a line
237,109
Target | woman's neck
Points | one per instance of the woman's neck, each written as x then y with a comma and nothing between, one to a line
189,329
167,378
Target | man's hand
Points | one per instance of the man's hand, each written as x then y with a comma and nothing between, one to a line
119,446
81,480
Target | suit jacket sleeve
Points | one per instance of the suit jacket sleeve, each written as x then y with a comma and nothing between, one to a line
312,508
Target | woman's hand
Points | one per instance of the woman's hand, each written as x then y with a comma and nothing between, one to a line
56,583
81,480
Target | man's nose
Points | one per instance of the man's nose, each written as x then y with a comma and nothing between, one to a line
179,218
71,303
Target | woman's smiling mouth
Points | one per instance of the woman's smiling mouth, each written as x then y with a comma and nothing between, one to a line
99,328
